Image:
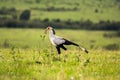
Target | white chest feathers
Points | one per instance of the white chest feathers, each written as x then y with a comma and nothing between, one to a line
52,40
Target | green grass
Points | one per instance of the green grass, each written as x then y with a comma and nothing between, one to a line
41,65
24,55
107,9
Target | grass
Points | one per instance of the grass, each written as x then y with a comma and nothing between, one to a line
39,64
24,55
107,9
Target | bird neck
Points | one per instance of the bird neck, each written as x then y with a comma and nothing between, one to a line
51,32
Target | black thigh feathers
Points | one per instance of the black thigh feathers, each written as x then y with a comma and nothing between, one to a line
60,46
65,43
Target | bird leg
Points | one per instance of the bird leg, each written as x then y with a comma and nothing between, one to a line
59,57
65,56
58,50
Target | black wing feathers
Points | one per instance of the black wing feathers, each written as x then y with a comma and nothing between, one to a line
67,42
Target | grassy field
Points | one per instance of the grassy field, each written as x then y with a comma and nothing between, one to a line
26,55
94,10
31,64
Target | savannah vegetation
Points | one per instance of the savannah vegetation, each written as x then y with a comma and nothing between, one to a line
26,52
77,14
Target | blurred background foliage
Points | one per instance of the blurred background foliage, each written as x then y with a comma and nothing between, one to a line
67,14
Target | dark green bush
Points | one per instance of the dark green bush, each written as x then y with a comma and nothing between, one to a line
25,15
56,20
112,35
38,1
96,11
112,47
46,20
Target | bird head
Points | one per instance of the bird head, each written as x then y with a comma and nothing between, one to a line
48,29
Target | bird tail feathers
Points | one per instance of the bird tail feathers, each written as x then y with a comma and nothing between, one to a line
83,49
67,42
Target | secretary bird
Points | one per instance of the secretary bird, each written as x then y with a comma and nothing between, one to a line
59,42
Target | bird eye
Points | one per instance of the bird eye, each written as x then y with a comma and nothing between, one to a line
48,27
